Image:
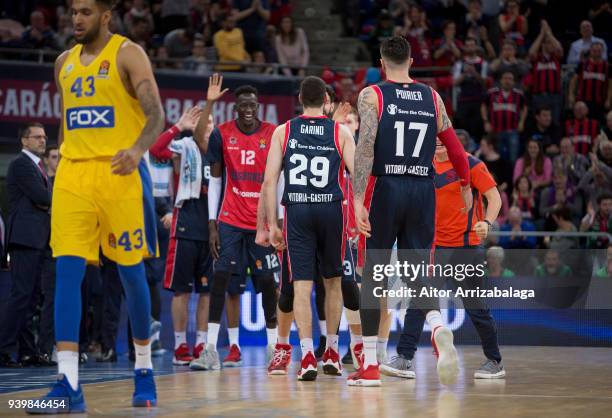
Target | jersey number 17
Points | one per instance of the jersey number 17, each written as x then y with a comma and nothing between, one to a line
400,133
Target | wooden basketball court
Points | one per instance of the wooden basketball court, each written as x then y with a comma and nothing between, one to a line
541,382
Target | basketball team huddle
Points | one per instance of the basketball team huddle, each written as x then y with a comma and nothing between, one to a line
300,199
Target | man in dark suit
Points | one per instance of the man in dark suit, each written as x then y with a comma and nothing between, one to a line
28,229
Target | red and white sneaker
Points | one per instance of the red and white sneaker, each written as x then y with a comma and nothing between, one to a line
331,362
369,376
197,350
182,356
357,354
448,365
233,358
281,358
308,369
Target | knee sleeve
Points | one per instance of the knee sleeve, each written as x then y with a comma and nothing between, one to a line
369,308
320,298
285,303
268,297
350,295
217,295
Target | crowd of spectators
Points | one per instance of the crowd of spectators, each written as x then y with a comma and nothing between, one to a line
528,85
527,81
179,34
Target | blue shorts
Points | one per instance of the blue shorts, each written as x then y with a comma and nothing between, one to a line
402,208
188,266
315,233
237,282
234,243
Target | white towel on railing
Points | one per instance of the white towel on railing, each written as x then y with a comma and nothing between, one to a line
190,178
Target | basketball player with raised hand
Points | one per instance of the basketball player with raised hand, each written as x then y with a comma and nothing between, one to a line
312,151
240,148
395,195
111,114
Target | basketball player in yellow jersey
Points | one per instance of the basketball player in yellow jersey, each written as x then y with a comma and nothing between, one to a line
111,114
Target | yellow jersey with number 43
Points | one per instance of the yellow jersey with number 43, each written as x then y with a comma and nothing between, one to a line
100,116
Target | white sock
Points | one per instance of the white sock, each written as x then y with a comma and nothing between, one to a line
272,334
369,351
283,340
68,365
323,327
143,356
332,342
180,338
381,345
232,333
355,339
201,337
213,334
306,346
434,319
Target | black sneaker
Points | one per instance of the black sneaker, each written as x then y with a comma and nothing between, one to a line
348,358
29,360
321,348
107,356
45,360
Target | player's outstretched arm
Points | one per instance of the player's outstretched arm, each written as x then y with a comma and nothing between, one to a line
213,94
273,170
367,106
456,153
134,63
59,63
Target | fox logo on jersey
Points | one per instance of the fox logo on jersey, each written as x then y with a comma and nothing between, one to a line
293,143
392,109
90,117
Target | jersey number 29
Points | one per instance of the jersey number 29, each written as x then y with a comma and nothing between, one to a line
319,167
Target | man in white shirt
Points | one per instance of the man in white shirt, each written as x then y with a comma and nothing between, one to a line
583,44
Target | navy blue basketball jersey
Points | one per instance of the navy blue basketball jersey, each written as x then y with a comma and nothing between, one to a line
312,161
407,130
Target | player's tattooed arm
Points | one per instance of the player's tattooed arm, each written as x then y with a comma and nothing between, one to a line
59,63
444,121
364,152
148,97
138,79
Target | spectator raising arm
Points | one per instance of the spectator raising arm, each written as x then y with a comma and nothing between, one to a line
187,122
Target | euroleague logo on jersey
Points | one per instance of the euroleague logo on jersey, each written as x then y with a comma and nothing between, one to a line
392,109
293,143
104,69
262,143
